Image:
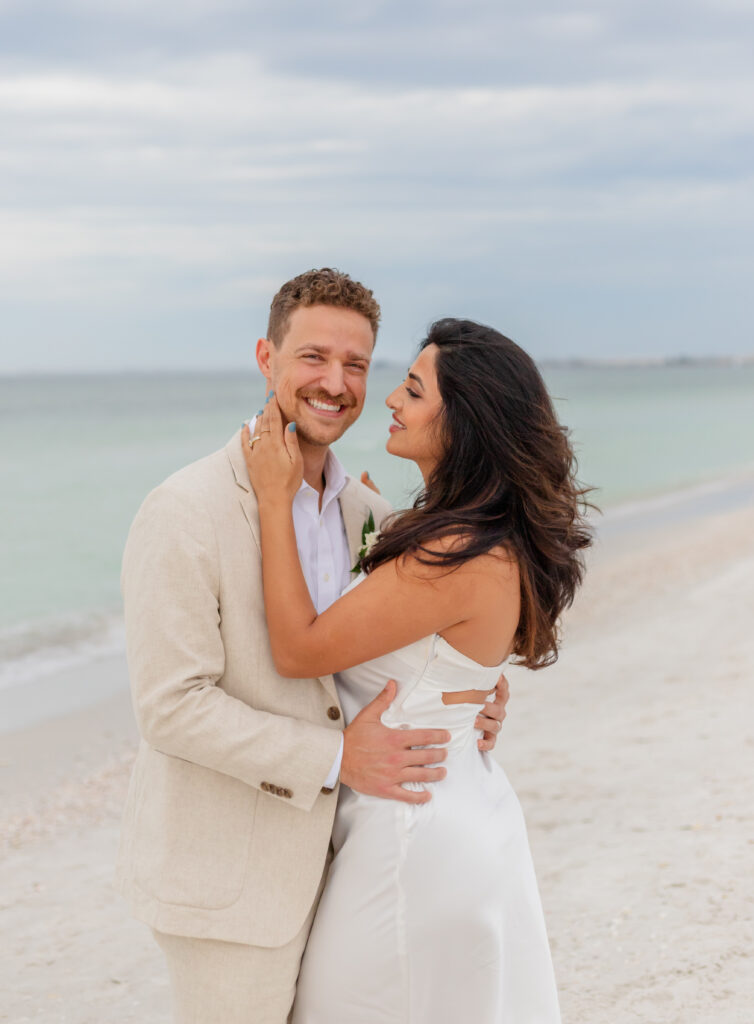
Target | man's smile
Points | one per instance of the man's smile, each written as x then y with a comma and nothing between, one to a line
324,406
327,408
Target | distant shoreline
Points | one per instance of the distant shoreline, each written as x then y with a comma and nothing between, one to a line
546,363
659,362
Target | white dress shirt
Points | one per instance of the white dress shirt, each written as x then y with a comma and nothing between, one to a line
321,537
323,549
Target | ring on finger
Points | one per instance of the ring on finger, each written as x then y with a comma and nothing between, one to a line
253,440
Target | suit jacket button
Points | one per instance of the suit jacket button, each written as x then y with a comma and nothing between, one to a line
265,786
333,713
286,793
327,789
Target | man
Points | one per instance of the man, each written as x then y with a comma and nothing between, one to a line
229,814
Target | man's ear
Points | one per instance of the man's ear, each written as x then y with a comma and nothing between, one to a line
264,349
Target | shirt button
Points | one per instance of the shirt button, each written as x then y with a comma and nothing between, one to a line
326,577
333,713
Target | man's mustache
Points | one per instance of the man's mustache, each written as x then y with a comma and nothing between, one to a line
324,396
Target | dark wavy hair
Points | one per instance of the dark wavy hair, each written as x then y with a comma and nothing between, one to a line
507,479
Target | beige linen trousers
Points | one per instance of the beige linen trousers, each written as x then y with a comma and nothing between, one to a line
226,828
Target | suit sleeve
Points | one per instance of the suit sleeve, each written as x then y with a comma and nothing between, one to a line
170,585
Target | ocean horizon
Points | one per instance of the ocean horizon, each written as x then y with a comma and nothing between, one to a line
573,362
79,452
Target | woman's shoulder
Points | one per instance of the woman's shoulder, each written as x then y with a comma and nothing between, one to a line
498,565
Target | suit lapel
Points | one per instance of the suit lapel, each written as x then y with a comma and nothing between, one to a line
355,513
246,494
248,501
354,509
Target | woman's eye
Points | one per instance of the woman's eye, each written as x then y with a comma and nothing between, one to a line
411,392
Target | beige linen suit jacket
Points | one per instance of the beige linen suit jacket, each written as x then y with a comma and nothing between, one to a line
226,828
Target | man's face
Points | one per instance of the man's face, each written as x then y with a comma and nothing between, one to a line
319,372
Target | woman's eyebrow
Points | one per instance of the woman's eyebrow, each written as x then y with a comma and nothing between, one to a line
417,378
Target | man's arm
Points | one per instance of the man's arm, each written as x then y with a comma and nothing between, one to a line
176,656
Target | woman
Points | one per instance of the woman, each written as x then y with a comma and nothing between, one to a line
431,910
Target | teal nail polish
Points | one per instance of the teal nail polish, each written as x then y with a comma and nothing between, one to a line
260,412
292,427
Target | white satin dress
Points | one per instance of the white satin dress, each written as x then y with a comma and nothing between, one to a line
431,913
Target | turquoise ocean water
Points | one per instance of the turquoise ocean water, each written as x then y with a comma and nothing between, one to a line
79,453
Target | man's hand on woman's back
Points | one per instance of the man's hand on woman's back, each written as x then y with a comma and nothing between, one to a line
377,760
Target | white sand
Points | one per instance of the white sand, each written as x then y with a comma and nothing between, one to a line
633,758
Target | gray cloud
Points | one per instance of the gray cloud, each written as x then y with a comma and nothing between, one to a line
582,180
472,43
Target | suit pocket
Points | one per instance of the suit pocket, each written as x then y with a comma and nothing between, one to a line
192,833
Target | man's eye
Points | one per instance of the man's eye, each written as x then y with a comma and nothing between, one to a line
312,355
359,367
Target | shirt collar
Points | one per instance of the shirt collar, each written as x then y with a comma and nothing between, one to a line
335,480
336,477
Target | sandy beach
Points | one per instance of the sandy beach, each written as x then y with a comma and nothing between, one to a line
633,758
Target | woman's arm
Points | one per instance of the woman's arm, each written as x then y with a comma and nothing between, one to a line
388,610
394,606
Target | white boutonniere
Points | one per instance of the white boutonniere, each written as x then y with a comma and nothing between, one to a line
369,535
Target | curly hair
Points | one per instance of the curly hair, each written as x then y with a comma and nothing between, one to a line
507,479
324,287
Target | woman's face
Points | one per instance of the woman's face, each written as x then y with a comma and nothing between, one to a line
416,407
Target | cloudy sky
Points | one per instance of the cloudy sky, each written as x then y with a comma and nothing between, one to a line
579,175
